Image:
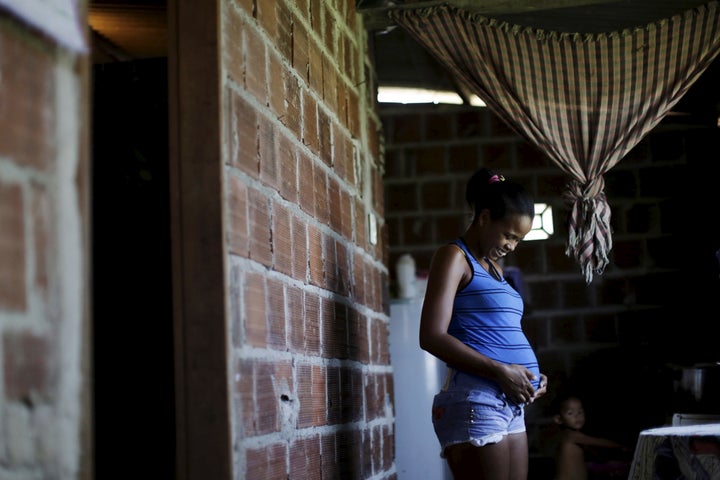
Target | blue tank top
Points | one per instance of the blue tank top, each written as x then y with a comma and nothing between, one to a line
486,315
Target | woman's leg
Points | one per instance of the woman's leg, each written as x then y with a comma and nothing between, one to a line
505,460
518,446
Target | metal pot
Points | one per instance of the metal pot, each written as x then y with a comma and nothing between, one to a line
698,388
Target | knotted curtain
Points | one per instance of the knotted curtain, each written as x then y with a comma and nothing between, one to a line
584,99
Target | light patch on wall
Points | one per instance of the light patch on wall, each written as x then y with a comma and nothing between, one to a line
372,227
422,95
542,226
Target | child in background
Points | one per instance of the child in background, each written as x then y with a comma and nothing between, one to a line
571,445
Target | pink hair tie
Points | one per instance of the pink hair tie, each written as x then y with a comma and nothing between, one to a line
496,178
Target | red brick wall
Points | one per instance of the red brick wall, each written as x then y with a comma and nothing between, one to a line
613,331
308,314
43,319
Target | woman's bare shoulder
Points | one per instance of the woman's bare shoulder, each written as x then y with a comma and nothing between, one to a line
448,253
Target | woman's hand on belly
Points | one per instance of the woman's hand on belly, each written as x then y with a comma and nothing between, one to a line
516,382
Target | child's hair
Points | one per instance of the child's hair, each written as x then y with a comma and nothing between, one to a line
562,401
562,396
502,197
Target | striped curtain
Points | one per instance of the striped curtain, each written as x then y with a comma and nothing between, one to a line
584,99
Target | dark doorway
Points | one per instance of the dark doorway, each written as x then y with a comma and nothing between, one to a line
133,372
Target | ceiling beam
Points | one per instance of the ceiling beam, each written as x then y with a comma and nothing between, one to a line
376,12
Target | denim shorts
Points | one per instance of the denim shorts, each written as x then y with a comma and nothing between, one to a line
475,410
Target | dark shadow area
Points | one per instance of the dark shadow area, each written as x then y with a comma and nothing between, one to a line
133,376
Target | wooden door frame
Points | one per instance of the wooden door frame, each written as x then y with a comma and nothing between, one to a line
204,444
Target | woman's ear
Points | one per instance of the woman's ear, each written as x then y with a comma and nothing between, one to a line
484,217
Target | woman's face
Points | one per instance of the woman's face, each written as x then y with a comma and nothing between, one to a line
502,236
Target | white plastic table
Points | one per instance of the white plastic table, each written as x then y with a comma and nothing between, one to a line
688,451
